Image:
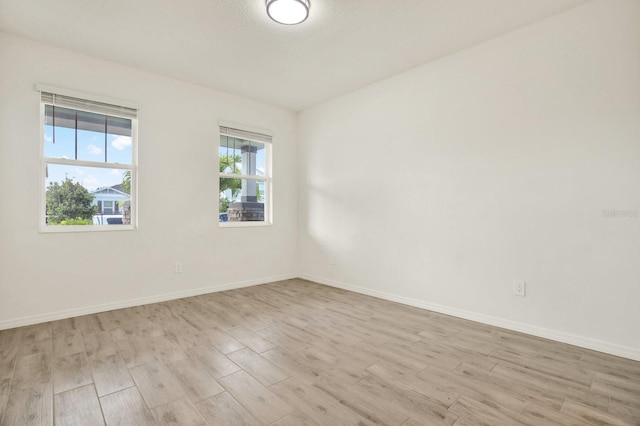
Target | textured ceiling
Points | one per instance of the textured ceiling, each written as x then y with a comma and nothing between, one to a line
231,45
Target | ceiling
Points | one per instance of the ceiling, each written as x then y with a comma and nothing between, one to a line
232,46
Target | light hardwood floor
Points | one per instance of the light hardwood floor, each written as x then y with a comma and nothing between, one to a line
295,353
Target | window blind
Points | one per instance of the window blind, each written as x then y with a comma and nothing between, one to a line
245,134
82,114
87,105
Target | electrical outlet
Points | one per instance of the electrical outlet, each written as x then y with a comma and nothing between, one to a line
519,288
333,260
178,267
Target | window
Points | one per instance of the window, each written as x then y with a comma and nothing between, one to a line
245,177
89,164
107,207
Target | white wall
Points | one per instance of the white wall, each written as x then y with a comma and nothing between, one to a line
43,276
441,186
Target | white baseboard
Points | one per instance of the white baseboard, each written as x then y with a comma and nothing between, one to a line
53,316
559,336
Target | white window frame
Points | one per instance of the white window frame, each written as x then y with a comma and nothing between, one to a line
253,134
44,161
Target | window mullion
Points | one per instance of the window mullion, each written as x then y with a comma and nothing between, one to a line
76,135
105,138
53,121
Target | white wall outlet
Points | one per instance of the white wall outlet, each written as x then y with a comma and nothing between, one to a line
333,260
519,288
178,267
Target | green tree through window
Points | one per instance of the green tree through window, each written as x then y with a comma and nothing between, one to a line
69,203
229,164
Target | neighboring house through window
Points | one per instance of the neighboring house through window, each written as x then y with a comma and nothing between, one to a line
89,163
111,202
245,177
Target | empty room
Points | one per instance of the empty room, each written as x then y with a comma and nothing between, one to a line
320,212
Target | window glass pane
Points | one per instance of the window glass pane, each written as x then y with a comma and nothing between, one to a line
89,129
87,195
60,117
260,158
119,149
119,146
91,121
230,155
242,200
90,146
59,142
242,156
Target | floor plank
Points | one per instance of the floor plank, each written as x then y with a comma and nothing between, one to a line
442,391
135,351
629,413
156,384
251,339
178,412
5,387
409,403
8,358
294,366
261,369
470,410
126,408
293,419
32,369
29,405
222,409
67,342
378,411
255,397
197,383
71,372
110,374
589,415
221,340
214,361
78,407
534,414
315,404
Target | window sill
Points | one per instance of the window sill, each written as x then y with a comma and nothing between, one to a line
86,228
244,224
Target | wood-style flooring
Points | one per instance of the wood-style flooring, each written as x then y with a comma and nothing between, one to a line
295,353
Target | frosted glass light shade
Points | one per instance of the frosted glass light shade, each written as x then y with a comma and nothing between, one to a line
288,12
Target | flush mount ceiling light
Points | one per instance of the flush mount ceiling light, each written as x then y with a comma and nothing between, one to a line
288,12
